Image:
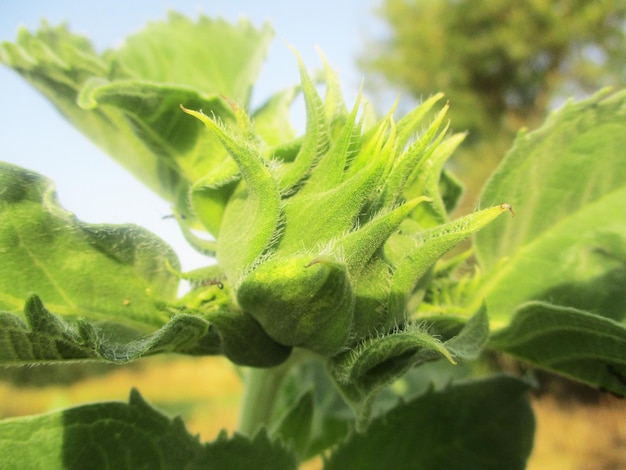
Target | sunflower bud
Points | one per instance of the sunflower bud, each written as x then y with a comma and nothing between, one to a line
326,250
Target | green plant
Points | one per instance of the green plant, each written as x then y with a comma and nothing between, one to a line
360,340
502,63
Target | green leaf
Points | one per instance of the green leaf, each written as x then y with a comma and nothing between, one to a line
271,120
359,246
126,100
294,427
485,424
451,190
242,339
429,182
329,209
111,290
155,140
567,242
47,337
106,272
240,452
570,342
329,171
127,436
161,53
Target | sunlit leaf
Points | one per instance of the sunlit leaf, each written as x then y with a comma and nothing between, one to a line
567,242
570,342
102,291
107,272
126,100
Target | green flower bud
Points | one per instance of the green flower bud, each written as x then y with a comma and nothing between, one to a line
300,301
366,195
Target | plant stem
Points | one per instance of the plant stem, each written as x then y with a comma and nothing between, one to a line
261,388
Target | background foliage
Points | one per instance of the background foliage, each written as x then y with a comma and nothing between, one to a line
502,63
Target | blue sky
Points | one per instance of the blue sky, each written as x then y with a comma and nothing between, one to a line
88,182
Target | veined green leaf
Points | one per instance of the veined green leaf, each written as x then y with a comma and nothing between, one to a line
271,120
103,271
160,53
580,262
48,337
155,139
567,242
153,117
127,436
570,342
485,424
126,100
109,291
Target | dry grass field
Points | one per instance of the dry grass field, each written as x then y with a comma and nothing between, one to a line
576,436
571,435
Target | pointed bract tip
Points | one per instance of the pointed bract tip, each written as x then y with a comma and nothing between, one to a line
233,105
507,207
320,260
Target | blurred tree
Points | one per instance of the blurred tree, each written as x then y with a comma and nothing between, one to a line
501,63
